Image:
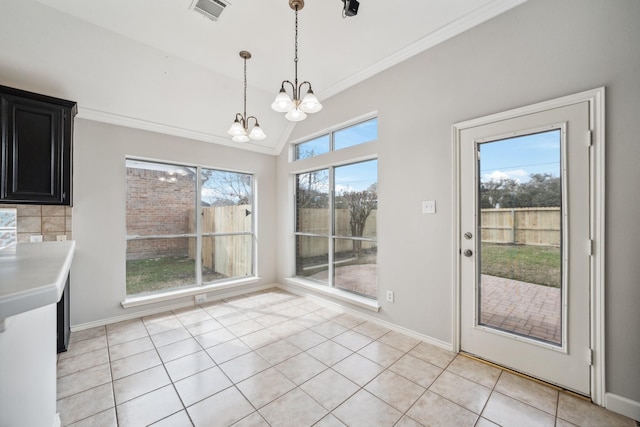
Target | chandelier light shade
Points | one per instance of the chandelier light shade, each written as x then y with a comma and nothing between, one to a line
296,106
239,130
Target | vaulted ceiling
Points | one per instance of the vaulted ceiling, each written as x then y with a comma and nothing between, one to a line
158,65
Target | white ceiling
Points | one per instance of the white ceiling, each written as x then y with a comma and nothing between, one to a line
156,64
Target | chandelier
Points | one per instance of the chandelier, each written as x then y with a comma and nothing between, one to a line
296,106
239,130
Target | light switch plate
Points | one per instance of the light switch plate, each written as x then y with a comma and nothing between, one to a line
429,207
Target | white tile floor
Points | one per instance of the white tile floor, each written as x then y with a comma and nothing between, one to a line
275,359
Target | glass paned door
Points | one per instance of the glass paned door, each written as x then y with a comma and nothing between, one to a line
524,206
520,252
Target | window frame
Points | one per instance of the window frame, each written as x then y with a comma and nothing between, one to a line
199,286
333,159
331,234
331,134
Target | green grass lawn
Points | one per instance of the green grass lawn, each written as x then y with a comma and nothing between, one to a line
156,274
532,264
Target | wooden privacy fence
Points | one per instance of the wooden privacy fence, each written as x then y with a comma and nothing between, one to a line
526,226
227,255
317,221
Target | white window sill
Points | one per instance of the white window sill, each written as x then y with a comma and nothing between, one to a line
335,293
181,293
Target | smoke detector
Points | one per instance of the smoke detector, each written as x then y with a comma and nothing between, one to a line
212,9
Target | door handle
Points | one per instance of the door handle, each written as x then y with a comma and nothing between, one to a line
467,252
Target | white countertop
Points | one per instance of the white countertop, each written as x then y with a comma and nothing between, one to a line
33,275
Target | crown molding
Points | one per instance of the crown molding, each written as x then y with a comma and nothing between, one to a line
130,122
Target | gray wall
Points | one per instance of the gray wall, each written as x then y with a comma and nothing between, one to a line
98,270
538,51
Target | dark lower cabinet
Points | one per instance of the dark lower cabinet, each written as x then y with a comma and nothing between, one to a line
36,154
63,326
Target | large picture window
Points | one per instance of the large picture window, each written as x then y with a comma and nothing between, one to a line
187,226
336,223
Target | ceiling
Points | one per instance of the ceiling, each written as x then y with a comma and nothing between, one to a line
157,65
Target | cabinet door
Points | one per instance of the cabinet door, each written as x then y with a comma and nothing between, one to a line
36,152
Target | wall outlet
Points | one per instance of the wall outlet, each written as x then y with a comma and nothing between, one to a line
61,237
201,299
429,207
36,238
389,296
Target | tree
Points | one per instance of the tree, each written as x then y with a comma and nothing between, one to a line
360,204
312,189
542,190
498,193
224,188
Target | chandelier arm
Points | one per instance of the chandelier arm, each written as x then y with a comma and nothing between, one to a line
302,84
293,87
255,119
240,117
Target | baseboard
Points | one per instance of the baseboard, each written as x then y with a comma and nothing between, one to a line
293,289
129,316
135,315
341,308
622,405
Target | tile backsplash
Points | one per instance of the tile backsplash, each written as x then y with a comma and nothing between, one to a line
48,221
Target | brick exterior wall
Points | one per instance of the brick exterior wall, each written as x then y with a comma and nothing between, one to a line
159,207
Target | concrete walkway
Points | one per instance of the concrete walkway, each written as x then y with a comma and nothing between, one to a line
520,307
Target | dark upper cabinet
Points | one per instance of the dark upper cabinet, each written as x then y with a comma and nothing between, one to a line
37,134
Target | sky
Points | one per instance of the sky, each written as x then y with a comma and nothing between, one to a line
353,177
356,177
518,158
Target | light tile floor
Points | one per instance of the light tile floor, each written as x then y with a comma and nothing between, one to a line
275,359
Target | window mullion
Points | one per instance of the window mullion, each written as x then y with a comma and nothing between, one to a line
332,223
198,219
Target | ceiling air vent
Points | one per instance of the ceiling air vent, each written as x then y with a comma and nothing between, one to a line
212,9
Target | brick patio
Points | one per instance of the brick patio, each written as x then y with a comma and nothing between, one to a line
514,306
523,308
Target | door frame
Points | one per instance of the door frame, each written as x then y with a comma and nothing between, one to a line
595,97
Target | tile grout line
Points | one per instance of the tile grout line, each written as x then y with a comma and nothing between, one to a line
173,383
113,391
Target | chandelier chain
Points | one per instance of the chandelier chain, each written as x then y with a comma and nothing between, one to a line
295,60
245,94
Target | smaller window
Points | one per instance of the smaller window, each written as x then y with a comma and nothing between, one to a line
357,134
8,228
313,148
360,133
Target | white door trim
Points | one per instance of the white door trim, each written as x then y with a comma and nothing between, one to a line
595,97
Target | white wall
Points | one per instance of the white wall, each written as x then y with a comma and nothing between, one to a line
540,50
98,271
